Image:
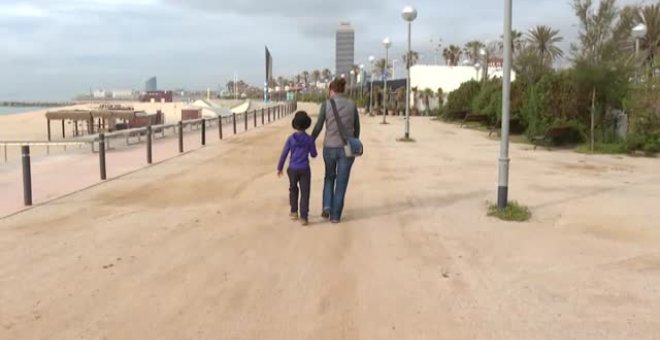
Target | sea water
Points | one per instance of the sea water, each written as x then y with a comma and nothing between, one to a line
11,110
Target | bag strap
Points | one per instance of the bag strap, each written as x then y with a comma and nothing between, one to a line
340,125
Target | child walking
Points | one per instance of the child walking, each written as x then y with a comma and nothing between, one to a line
300,145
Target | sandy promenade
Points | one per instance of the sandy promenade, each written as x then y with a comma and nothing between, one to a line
64,172
200,247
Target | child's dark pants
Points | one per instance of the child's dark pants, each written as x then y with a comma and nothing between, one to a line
300,178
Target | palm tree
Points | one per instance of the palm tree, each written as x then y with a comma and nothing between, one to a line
380,67
413,103
316,76
517,41
428,94
305,76
543,40
440,93
400,100
472,49
414,57
326,74
452,55
650,44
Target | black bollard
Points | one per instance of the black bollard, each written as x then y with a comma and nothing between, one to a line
102,156
255,118
262,117
234,118
269,115
149,145
180,137
220,126
27,175
245,118
203,132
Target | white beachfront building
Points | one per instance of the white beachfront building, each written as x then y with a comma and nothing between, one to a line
449,78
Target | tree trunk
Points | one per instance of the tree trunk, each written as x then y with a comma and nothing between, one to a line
593,118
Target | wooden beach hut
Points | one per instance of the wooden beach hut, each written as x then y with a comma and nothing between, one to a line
103,119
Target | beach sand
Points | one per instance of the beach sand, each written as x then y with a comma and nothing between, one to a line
201,247
32,126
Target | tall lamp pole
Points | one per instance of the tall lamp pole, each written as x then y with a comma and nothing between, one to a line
387,43
372,59
409,14
361,82
351,82
638,33
503,181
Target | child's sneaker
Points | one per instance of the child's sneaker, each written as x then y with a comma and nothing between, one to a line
325,214
294,216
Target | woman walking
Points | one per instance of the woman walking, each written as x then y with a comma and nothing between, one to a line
337,164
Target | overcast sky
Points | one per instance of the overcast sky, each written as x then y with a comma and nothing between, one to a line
55,49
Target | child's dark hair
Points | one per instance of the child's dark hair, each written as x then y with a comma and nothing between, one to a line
338,85
301,121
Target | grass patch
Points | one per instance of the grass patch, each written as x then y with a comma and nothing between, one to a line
514,212
603,148
406,140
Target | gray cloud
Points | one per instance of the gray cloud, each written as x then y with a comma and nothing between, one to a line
283,8
57,48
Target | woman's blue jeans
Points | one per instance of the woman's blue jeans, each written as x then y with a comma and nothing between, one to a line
337,173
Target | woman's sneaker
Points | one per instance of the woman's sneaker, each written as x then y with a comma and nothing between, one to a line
304,222
294,216
325,214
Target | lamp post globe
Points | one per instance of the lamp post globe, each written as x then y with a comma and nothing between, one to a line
409,13
639,31
387,42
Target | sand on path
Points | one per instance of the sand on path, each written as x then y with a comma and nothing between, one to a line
201,248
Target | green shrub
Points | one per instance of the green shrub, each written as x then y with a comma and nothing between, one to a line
486,100
649,144
603,148
513,212
461,99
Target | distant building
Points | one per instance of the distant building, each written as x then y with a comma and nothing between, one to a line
157,97
151,85
99,94
122,94
345,49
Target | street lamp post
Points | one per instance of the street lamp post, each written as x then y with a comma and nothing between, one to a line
503,181
361,82
351,83
638,33
409,14
387,43
372,59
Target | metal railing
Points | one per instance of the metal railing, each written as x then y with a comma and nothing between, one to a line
102,141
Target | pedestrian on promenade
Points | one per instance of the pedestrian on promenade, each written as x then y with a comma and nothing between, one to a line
300,145
337,164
